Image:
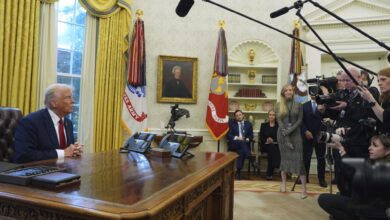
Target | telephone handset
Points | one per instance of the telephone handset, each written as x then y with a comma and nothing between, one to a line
139,142
177,144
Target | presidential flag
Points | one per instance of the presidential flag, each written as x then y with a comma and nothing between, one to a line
217,108
134,111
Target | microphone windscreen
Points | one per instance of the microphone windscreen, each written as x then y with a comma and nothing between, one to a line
184,7
279,12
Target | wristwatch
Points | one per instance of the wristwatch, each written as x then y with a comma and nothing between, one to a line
371,104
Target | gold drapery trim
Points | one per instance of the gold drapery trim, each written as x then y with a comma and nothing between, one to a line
105,8
110,80
49,1
19,56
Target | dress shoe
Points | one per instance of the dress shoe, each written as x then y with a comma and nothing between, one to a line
269,178
323,183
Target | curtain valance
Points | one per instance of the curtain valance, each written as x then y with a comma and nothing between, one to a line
105,8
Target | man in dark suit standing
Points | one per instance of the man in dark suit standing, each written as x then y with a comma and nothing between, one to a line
46,133
311,127
239,137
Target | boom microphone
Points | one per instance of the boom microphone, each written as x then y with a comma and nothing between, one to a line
281,11
184,7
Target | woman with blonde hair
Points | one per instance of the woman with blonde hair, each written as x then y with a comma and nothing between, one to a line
289,116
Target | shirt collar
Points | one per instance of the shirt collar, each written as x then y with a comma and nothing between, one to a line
53,116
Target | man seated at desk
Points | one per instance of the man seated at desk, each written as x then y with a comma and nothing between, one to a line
46,133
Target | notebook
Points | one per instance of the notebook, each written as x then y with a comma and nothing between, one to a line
55,180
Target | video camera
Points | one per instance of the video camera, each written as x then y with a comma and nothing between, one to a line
329,83
371,180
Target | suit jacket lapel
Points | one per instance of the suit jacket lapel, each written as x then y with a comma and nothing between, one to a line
51,131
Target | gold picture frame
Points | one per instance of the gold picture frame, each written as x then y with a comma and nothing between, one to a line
177,80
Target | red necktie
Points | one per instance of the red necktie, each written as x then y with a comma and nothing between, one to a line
61,134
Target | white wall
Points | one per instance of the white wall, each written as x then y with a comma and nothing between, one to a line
196,36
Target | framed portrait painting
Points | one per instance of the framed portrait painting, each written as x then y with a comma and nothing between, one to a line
177,80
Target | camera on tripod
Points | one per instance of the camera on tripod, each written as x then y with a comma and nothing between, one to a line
330,83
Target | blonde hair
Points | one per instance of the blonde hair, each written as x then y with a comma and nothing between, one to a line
282,111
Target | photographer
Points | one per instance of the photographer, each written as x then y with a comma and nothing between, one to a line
347,205
382,108
352,113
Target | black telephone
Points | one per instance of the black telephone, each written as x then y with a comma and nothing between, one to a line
177,144
139,142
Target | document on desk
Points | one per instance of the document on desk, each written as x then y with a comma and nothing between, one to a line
55,180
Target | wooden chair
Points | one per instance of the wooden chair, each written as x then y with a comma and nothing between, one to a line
260,156
253,159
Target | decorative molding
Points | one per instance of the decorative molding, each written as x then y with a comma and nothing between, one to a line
174,211
193,197
340,6
26,212
264,54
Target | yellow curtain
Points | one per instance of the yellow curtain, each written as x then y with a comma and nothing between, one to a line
49,1
19,28
105,8
110,80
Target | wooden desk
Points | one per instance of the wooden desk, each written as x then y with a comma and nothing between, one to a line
131,186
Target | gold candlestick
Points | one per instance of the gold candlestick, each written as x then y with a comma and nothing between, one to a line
251,75
251,55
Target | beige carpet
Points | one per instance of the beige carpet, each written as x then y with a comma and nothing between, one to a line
262,200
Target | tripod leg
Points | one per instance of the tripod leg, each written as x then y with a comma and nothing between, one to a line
295,183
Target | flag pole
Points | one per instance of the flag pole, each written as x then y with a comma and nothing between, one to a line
218,145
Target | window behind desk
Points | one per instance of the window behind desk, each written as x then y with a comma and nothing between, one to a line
71,30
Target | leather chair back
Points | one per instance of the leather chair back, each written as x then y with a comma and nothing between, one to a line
9,118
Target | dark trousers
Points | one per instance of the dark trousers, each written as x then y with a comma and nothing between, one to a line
320,148
273,157
337,206
242,148
343,208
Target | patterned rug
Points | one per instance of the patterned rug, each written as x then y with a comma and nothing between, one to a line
262,200
274,186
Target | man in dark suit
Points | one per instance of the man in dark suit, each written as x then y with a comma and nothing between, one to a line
311,127
46,133
239,137
175,87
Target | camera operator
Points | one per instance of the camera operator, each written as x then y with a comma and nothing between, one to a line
382,108
346,205
352,113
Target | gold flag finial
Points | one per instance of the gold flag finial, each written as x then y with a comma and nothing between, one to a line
297,23
139,13
221,23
